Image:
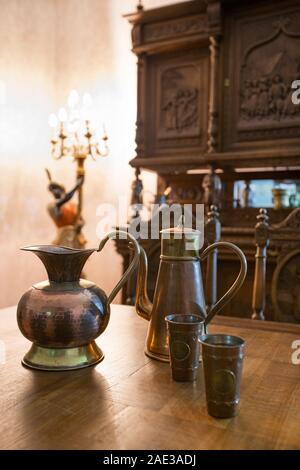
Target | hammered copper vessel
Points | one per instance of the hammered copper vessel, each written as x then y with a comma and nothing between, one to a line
63,316
179,288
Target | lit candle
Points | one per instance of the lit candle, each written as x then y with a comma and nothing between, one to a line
73,99
86,105
62,115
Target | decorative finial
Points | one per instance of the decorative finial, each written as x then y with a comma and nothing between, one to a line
140,6
213,212
262,216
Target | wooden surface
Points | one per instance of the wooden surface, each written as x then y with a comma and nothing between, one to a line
130,401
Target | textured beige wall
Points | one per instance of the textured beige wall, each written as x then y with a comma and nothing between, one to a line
94,55
48,47
27,65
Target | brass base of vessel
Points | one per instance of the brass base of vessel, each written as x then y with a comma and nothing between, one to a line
158,357
54,359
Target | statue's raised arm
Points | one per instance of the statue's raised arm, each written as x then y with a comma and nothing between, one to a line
65,214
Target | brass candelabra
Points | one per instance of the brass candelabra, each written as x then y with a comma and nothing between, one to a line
73,136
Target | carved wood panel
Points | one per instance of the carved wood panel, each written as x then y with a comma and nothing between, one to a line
264,60
175,27
177,101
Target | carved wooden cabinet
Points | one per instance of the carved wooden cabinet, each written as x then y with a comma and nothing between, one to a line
214,84
261,60
214,91
171,44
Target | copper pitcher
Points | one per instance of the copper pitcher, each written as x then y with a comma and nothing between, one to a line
63,316
179,287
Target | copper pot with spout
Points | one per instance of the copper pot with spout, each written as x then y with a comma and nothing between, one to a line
63,316
179,287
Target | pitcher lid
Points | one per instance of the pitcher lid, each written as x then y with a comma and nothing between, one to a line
180,230
184,231
180,243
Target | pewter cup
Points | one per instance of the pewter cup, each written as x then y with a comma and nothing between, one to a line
184,332
222,357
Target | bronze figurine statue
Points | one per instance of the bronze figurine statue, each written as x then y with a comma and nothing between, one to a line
66,215
136,194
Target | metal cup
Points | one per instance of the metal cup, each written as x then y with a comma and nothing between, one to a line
222,357
184,332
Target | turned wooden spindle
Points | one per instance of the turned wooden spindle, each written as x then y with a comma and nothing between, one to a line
259,287
213,234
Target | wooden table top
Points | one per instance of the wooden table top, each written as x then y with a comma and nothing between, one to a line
130,401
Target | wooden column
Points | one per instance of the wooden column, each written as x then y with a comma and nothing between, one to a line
213,234
259,287
141,105
214,20
213,113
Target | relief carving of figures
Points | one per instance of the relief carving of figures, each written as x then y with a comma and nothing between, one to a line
182,109
263,97
267,72
278,92
268,98
179,108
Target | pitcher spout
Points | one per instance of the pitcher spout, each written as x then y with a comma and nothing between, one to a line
143,305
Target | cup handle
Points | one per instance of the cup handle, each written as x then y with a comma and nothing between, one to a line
237,283
132,265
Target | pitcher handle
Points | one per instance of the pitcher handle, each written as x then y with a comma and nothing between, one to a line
132,265
237,283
